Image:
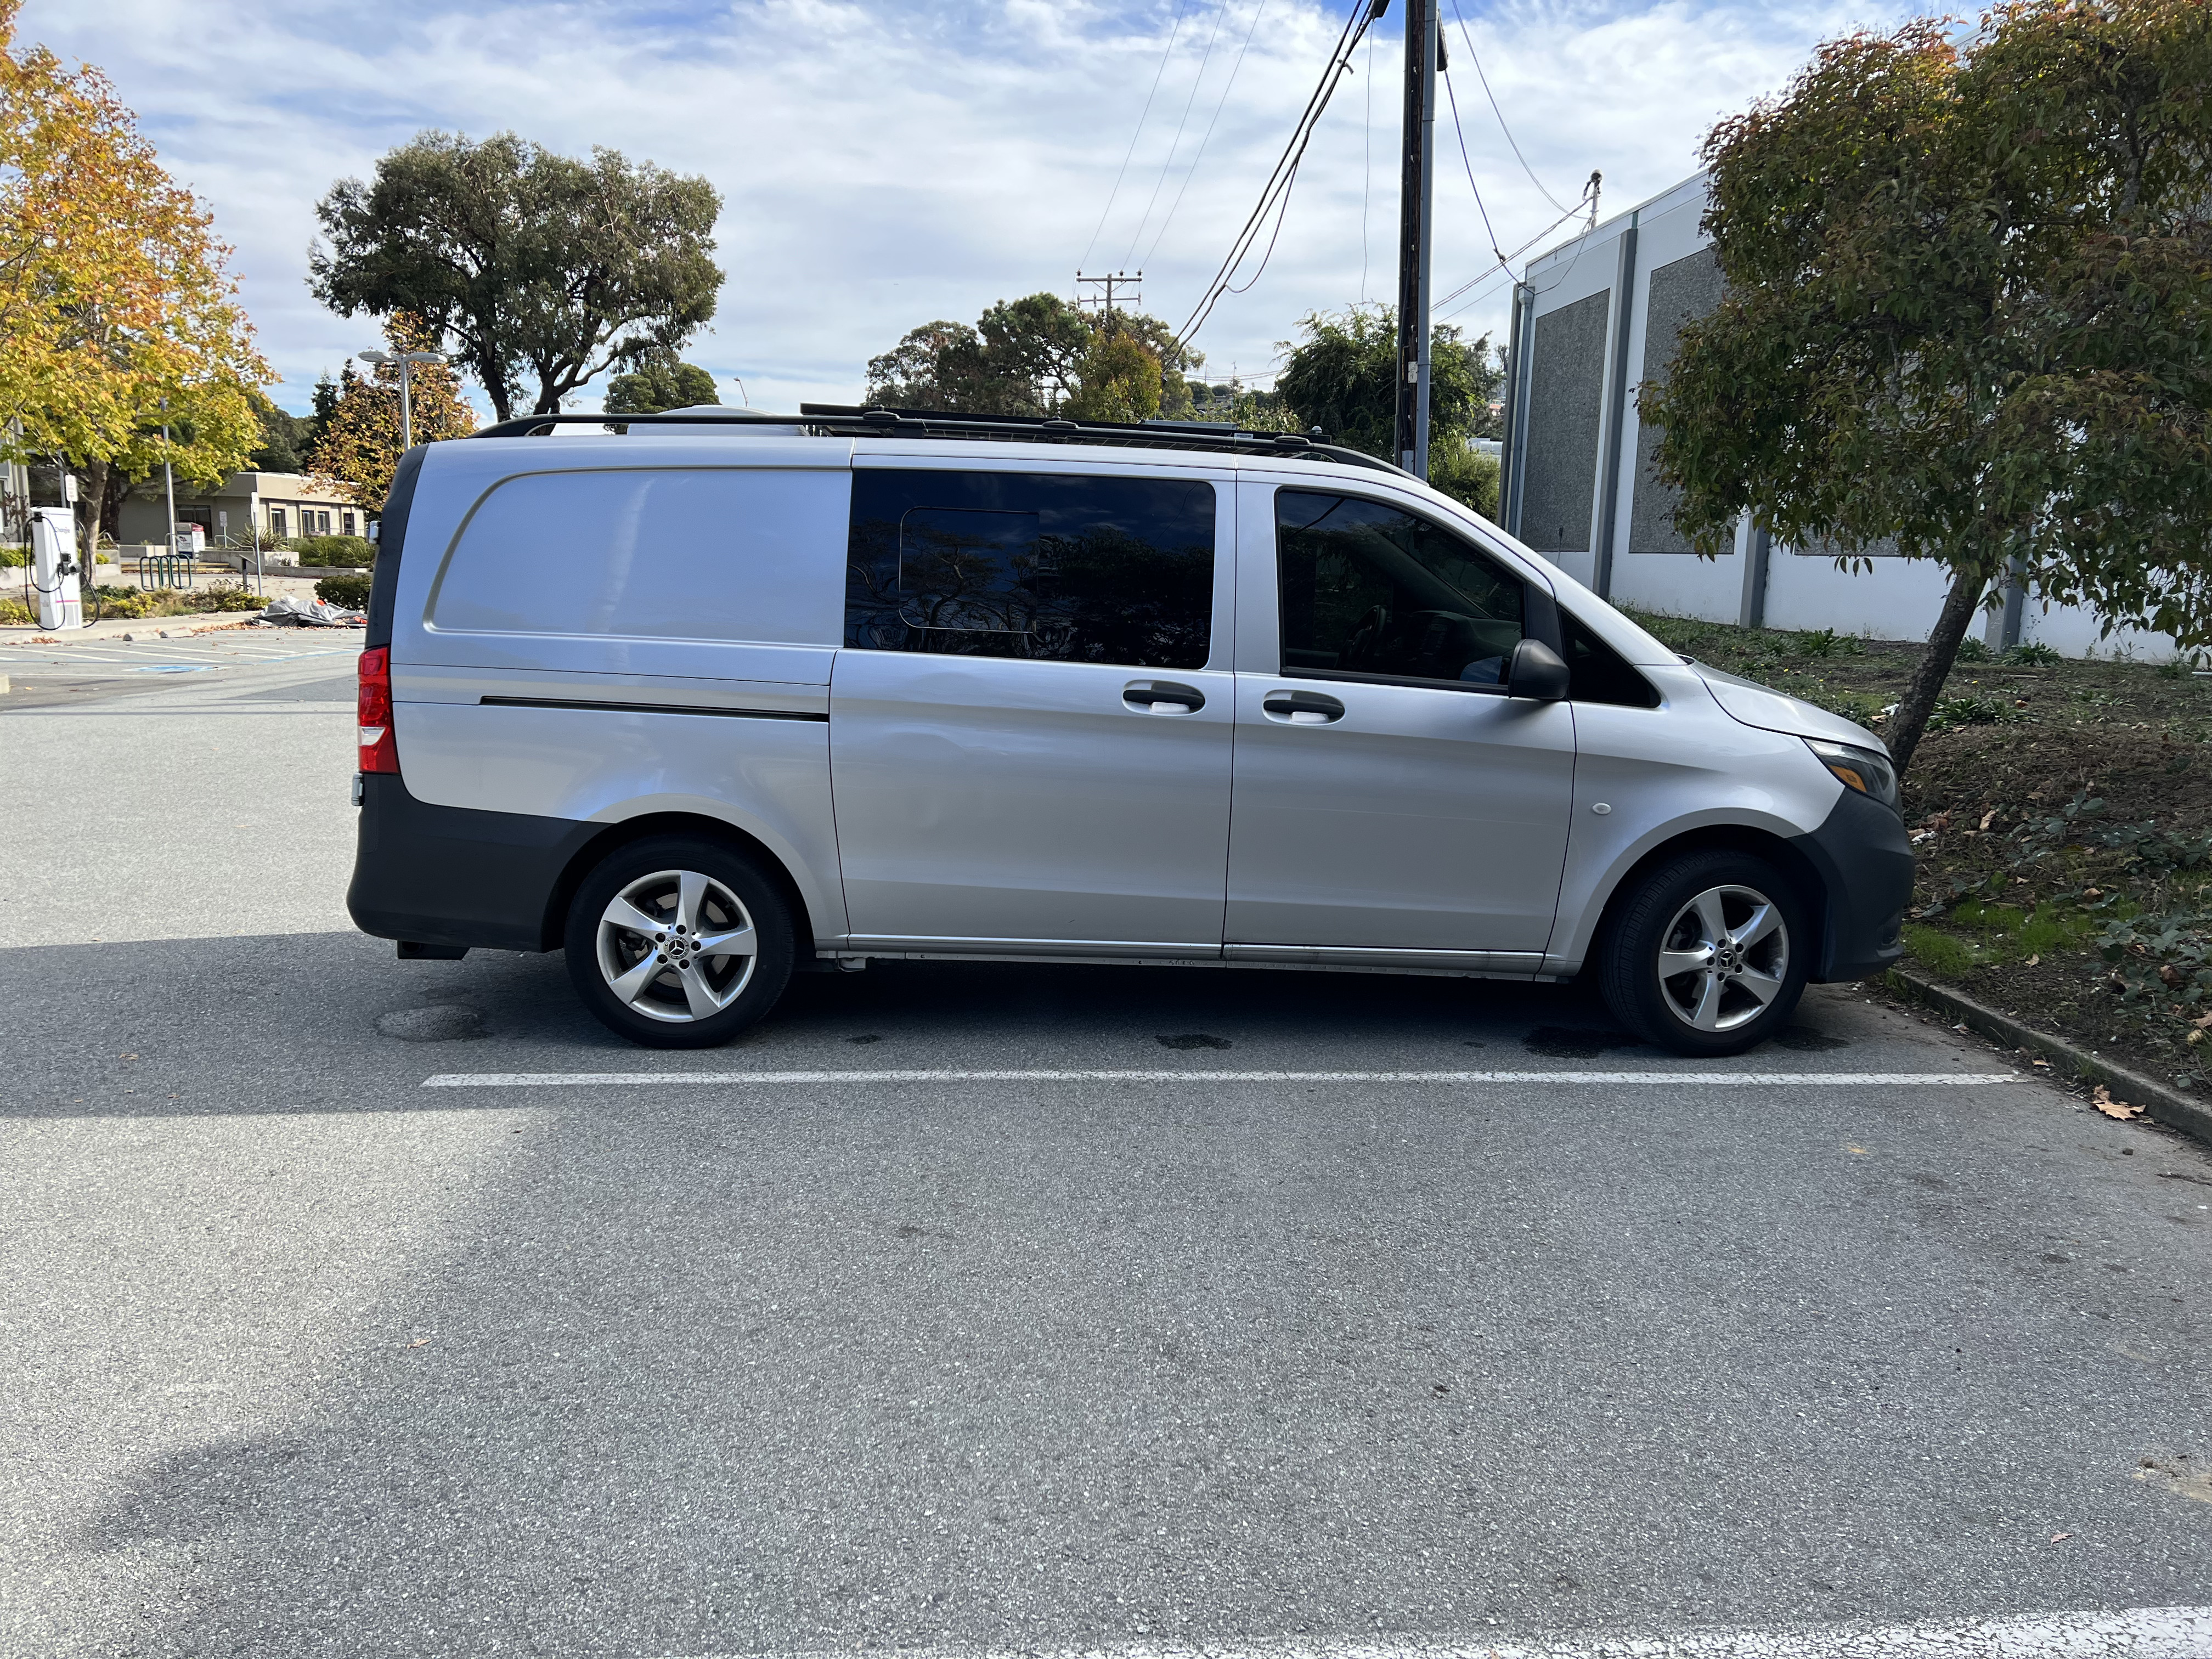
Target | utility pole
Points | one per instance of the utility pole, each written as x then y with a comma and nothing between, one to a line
1416,200
1110,282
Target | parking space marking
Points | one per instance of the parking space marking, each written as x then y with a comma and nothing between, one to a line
1702,1079
2131,1633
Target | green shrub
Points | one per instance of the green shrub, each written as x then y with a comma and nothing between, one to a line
227,596
1970,711
1973,649
2040,654
1468,475
14,558
13,613
127,603
351,591
336,552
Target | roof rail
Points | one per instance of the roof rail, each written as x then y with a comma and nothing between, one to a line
853,421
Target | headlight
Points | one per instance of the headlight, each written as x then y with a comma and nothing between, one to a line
1863,769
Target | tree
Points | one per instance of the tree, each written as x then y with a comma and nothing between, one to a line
1343,378
659,386
116,307
528,262
286,438
1969,312
360,447
1031,356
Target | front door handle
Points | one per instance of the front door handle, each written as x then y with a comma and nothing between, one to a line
1161,697
1301,707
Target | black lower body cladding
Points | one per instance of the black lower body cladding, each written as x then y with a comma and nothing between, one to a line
1865,862
451,875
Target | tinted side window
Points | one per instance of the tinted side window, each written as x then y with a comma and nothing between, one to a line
650,553
1015,564
1599,674
1370,589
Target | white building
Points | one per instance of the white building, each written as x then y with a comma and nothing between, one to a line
1579,485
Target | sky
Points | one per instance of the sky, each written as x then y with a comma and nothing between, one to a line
882,165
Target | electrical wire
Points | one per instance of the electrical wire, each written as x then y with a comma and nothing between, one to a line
1219,105
1275,195
1141,117
1468,39
1468,162
1176,143
1367,169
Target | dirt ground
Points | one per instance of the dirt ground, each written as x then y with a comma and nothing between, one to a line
2017,900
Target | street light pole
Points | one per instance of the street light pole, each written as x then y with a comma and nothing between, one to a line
406,360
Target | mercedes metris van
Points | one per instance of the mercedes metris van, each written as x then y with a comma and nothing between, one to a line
719,697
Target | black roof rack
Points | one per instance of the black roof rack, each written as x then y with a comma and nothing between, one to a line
853,421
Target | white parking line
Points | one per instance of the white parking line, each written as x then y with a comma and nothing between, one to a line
1702,1079
2131,1633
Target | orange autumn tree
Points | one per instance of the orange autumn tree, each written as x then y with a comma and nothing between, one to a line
360,449
117,311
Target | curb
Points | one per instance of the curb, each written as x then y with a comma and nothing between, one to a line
2160,1103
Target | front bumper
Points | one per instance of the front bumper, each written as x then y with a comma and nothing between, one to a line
1864,861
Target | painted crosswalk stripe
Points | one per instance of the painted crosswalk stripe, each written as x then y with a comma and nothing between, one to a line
1030,1074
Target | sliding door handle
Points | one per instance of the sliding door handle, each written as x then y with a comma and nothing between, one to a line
1161,697
1301,707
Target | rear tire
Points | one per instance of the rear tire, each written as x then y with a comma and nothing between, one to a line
642,936
1707,955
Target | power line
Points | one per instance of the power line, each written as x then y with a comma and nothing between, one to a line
1468,162
1367,169
1141,115
1205,138
1457,17
1176,143
1275,195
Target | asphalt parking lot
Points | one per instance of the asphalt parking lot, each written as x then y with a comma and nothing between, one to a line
1007,1309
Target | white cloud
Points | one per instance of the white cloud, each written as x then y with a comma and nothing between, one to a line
882,165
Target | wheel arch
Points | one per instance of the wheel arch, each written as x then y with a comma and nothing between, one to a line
614,836
1812,886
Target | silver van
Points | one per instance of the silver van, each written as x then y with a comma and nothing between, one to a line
721,697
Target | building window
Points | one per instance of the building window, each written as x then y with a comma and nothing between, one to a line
346,523
277,524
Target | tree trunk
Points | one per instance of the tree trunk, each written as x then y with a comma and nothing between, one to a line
1919,701
92,495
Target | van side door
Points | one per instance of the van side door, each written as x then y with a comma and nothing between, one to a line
1029,722
1392,803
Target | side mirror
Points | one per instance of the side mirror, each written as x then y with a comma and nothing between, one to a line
1537,672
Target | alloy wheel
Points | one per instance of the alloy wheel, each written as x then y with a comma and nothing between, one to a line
1724,958
677,945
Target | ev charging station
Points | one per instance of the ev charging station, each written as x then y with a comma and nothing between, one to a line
54,567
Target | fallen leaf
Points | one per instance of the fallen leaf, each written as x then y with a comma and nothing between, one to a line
1860,1150
2060,1537
1960,1026
2033,960
2203,1022
1987,816
2042,1063
2101,1098
2091,892
2171,974
420,1342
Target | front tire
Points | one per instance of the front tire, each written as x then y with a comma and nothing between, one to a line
1708,955
678,943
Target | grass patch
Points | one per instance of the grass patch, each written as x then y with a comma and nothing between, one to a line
1940,952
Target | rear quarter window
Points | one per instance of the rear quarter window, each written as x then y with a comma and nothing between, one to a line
756,556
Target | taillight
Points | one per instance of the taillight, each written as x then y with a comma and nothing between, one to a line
379,753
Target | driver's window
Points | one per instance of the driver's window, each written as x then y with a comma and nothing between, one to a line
1370,592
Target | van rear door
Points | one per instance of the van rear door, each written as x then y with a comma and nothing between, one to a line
1030,731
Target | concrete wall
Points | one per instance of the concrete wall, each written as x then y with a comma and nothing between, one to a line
1578,356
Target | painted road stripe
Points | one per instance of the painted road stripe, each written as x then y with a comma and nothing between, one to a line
1704,1080
2133,1633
